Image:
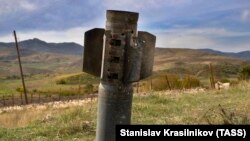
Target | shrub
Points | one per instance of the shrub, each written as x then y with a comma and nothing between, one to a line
244,73
190,82
89,88
174,81
19,89
160,82
61,81
34,90
224,80
12,77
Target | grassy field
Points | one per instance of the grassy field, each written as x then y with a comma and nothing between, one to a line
73,83
54,73
79,82
230,106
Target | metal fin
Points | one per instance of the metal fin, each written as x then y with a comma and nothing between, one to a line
93,46
148,41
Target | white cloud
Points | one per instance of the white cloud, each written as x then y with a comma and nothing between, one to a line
222,32
183,41
202,38
28,5
142,4
245,16
12,6
174,38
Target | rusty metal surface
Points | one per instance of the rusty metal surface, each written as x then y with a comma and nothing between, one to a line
93,46
148,41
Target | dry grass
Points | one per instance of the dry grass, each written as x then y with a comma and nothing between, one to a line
22,116
78,121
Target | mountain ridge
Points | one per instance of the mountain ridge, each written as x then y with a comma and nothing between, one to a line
242,54
38,45
41,57
72,48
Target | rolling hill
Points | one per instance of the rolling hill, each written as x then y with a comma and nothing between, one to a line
42,57
37,45
242,55
195,62
39,57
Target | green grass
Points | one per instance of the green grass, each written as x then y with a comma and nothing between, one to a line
159,108
8,87
230,106
78,78
47,84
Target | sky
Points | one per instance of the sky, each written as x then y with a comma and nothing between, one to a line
215,24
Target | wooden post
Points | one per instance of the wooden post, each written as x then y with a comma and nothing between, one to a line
151,83
31,97
4,101
137,87
51,98
169,87
21,96
79,91
13,102
188,82
21,70
79,87
59,96
212,76
210,80
39,96
60,91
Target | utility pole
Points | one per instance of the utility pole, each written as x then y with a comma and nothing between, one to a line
120,56
21,70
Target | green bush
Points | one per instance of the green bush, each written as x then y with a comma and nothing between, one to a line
244,73
224,80
82,79
160,82
89,88
19,89
174,81
61,81
226,69
12,77
190,82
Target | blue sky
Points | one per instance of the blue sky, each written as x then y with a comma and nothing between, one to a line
217,24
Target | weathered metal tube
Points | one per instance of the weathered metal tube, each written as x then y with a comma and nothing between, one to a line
120,56
121,21
114,107
115,89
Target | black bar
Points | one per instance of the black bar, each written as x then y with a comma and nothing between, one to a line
171,132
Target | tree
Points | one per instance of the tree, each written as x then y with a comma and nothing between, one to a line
245,73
